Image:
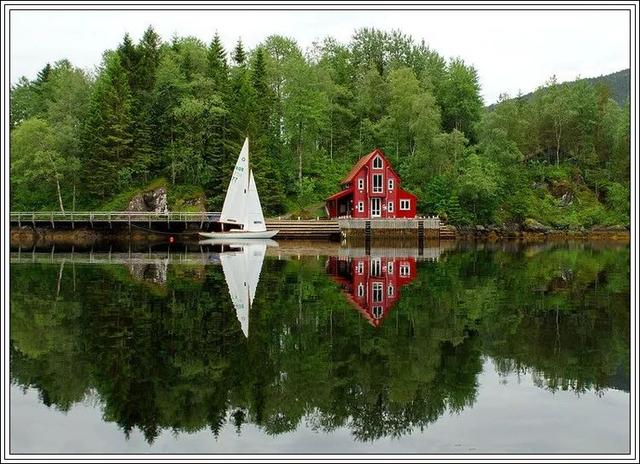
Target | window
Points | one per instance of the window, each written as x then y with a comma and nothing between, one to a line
360,184
361,206
377,290
390,207
405,270
390,290
360,267
377,312
377,183
390,184
360,290
375,268
390,267
404,205
377,162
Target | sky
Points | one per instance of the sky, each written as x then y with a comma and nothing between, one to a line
512,50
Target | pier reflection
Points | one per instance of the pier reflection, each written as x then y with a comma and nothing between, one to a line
166,350
372,279
372,284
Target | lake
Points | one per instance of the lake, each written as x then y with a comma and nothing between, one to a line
503,348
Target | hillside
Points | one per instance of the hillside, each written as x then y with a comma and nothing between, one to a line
617,82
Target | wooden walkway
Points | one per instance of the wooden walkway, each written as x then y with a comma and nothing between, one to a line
192,222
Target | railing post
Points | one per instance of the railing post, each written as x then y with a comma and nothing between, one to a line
33,219
72,224
53,226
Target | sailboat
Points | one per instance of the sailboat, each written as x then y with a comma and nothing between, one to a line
242,204
241,269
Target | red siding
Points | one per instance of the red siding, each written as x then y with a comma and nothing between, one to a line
374,202
360,277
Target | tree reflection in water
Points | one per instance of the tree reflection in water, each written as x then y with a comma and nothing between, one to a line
170,353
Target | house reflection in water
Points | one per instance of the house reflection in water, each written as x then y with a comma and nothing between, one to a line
372,284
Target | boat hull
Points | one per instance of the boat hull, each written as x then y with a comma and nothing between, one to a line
239,234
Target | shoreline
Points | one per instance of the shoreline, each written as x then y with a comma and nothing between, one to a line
27,237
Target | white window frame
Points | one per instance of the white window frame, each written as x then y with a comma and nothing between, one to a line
377,158
379,188
390,184
405,205
375,267
390,207
405,270
377,292
376,207
361,206
360,184
360,290
390,290
390,267
377,312
360,268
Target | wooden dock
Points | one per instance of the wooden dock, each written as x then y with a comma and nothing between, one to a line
191,222
305,229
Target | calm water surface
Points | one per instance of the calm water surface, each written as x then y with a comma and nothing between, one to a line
472,349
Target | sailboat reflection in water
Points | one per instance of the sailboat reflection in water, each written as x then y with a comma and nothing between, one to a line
241,263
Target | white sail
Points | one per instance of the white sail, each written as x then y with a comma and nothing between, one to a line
242,273
255,218
234,209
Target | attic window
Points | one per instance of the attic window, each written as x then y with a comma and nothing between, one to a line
377,162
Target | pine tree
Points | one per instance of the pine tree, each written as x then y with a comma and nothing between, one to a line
217,63
265,143
129,60
108,131
239,55
43,75
149,58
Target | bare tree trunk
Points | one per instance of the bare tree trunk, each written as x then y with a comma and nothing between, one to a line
331,137
300,152
558,134
60,279
59,194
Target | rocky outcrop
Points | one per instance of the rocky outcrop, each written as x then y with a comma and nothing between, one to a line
155,273
531,225
153,201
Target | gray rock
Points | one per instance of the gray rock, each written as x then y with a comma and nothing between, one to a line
480,228
566,199
153,201
531,225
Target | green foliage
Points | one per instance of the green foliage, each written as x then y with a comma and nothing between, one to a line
181,110
170,354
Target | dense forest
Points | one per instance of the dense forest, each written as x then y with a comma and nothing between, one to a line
172,356
176,113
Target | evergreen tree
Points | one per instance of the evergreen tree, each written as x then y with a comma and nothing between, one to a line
108,162
217,68
239,55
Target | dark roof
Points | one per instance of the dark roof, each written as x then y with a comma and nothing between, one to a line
360,164
340,194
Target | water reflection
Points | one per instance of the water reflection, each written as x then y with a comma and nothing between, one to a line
169,353
241,263
372,284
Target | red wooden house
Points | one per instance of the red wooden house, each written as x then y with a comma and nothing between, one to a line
371,284
372,190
